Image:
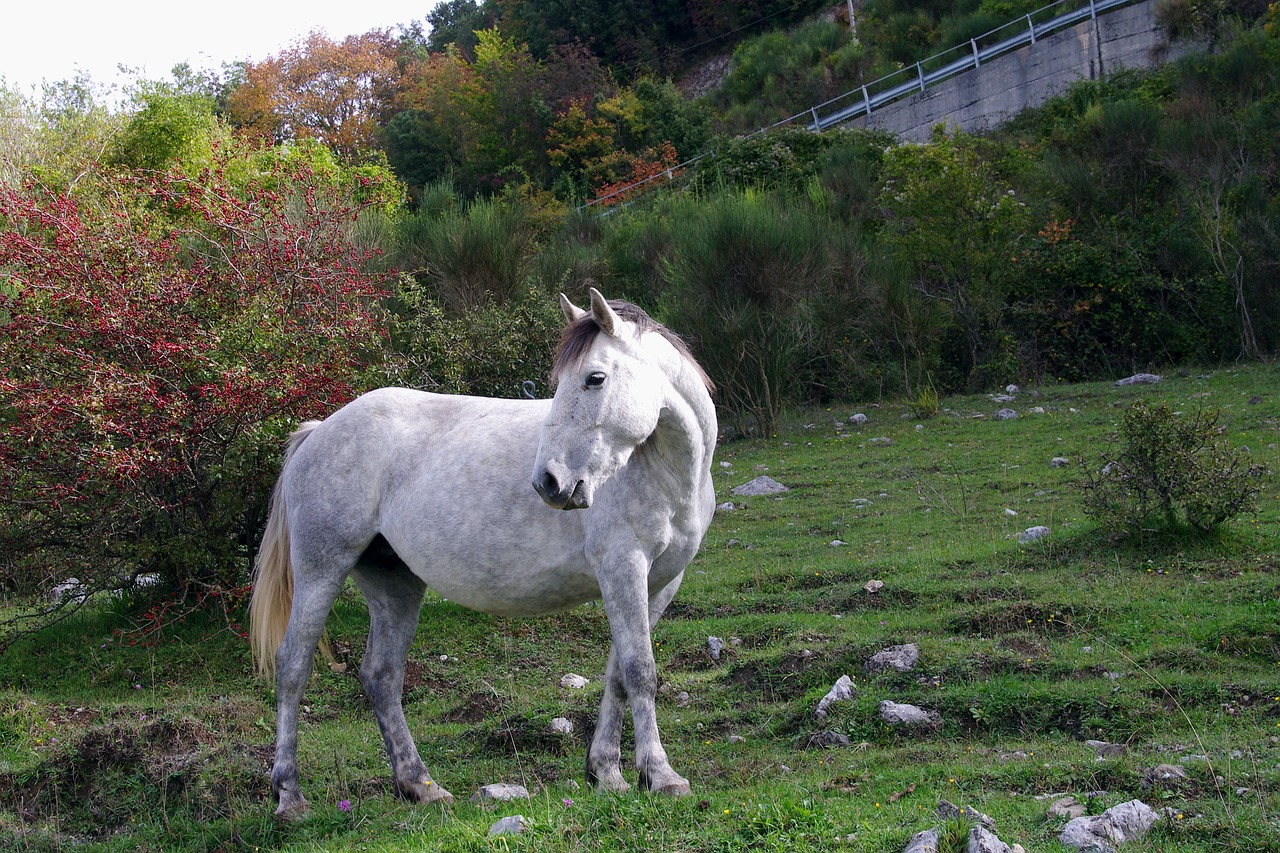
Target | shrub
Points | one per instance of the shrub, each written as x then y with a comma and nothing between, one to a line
156,351
1171,471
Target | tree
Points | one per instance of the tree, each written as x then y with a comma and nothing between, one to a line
158,347
337,92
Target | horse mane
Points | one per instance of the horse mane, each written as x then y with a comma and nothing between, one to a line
581,333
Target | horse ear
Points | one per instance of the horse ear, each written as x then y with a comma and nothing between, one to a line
606,318
571,312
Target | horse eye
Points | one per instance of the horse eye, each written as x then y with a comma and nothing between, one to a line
594,380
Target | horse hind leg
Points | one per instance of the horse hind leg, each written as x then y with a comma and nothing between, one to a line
313,596
394,595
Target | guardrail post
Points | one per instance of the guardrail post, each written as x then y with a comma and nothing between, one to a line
866,100
977,60
920,71
1032,25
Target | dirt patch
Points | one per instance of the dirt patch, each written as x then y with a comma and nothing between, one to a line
89,788
1008,618
518,734
420,682
476,707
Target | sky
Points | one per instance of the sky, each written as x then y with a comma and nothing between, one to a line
50,40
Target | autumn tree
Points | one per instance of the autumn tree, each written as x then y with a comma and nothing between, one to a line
337,92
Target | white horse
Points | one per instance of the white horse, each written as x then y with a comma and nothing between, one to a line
405,490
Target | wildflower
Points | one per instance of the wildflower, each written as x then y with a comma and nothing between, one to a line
568,801
344,806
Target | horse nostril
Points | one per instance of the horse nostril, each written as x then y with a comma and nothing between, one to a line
549,486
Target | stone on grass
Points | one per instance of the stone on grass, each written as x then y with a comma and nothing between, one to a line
1059,462
1101,833
573,681
1006,414
727,506
715,645
1106,750
562,726
1139,379
513,825
908,716
983,840
762,485
1164,774
500,792
841,691
872,587
829,740
1032,534
924,842
948,810
859,418
898,658
1067,807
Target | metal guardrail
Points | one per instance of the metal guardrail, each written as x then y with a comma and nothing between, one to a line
939,67
916,78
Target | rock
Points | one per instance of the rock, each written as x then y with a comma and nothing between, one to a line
727,506
1011,513
762,485
873,587
1059,462
1032,534
1106,750
573,681
881,441
500,792
859,418
1139,379
716,646
948,810
562,726
1002,398
69,587
829,740
836,543
908,716
513,825
898,658
1012,389
923,842
841,691
737,739
1036,410
1066,807
983,840
683,699
1163,774
1006,414
1118,824
1255,399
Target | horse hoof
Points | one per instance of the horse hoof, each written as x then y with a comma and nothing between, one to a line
675,789
292,809
424,791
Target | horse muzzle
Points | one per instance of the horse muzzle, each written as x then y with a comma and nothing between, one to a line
560,495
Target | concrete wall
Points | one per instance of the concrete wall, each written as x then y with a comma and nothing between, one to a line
989,95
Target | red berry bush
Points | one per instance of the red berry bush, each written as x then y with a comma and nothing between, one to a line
162,334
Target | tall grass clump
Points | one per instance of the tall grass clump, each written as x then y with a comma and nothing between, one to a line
746,272
468,256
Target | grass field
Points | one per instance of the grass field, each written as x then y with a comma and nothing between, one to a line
1169,645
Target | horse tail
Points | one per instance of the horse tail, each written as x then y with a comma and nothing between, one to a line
272,599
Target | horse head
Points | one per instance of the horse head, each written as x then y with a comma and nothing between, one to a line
609,395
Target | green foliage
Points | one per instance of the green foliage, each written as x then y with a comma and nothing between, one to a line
1172,470
486,349
468,257
168,127
745,274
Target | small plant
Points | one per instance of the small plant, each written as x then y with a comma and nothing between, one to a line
926,404
1171,470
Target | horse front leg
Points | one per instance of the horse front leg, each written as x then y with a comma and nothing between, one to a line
632,673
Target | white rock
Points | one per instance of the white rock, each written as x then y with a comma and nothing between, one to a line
1139,379
500,792
841,691
513,825
562,726
859,418
1006,414
1032,534
762,485
727,506
874,586
1059,462
902,714
983,840
573,681
716,645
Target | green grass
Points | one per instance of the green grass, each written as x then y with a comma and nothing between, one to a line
1170,645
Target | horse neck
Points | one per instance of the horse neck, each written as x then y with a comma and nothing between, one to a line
686,433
